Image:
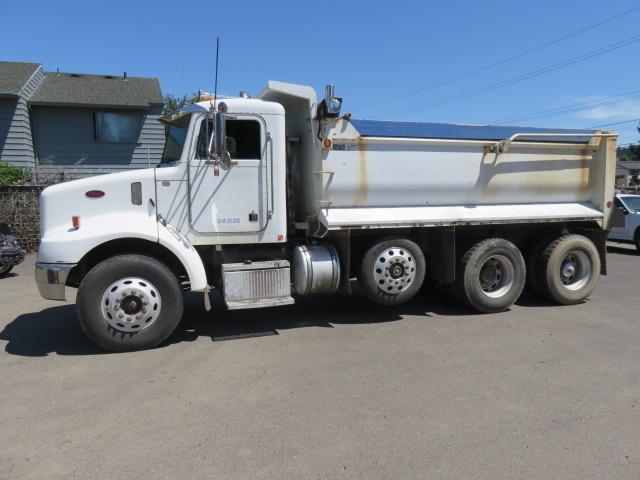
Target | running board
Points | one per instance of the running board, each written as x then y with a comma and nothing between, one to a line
256,284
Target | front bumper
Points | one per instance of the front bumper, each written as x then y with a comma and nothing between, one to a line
51,279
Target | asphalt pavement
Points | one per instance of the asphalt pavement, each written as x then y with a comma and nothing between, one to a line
332,387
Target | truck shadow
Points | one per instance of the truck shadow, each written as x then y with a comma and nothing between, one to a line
624,250
55,330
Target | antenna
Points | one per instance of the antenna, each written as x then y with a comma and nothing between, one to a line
215,88
215,100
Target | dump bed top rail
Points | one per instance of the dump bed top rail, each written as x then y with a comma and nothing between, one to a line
503,145
377,128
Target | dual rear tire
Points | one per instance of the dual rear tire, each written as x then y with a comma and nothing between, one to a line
490,276
565,269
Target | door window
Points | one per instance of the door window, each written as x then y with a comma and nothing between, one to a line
243,139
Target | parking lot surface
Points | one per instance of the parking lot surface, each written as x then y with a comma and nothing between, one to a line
333,387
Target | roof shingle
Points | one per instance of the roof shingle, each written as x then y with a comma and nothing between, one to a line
71,89
14,76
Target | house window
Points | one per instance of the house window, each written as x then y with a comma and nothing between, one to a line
116,127
243,139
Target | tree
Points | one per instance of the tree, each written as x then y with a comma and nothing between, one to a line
630,152
173,104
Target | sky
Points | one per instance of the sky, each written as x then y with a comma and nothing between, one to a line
397,60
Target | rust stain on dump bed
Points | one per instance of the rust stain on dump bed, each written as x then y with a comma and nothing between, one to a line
363,180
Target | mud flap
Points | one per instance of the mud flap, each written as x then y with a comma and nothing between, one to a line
599,239
442,249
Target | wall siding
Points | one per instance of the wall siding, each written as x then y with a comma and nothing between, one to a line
16,144
64,140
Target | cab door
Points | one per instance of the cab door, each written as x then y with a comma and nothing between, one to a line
234,199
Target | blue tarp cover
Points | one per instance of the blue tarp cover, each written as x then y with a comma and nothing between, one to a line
376,128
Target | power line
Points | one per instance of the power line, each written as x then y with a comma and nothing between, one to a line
576,107
500,62
616,123
503,83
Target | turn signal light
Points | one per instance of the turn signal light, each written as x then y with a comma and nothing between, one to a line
75,221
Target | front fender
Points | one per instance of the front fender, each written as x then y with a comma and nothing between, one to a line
67,245
171,238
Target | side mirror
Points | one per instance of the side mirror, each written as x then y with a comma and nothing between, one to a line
5,228
220,133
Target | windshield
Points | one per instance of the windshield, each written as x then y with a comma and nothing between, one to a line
632,203
176,137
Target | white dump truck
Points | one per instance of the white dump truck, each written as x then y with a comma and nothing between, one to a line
269,198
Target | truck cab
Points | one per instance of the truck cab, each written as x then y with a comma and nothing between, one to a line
625,224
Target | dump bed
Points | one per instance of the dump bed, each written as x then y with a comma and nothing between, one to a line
398,174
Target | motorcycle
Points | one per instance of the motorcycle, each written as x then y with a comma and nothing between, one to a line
10,252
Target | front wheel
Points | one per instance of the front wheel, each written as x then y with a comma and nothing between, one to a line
392,271
129,302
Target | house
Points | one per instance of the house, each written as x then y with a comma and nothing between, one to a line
627,173
79,124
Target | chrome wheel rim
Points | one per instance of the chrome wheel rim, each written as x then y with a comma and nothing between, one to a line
394,270
575,270
131,304
496,276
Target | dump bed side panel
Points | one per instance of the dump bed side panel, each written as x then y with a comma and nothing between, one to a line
366,172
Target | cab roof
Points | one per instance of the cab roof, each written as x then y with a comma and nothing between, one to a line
239,105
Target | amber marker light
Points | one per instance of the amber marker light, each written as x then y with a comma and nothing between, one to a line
75,221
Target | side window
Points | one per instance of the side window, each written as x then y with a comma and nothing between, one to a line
121,127
618,203
243,139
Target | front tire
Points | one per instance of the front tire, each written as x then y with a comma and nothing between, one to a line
129,302
392,271
491,275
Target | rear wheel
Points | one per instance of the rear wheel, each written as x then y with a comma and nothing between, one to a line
535,280
569,268
491,275
392,271
129,302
